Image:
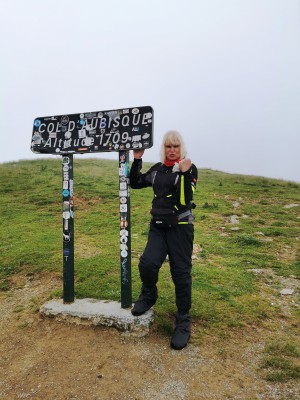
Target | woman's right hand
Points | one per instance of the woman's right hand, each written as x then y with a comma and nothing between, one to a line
138,154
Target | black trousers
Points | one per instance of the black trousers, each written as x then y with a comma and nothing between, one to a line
177,242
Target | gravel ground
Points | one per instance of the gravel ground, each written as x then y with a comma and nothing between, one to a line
46,359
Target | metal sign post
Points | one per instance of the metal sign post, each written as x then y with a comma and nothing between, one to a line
101,131
68,228
125,237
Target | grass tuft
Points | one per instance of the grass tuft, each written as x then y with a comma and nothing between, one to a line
247,240
281,362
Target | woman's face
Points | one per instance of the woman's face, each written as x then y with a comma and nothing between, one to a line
172,151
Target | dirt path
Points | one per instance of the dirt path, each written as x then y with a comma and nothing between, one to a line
45,359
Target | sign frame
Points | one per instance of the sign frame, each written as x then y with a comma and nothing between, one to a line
135,131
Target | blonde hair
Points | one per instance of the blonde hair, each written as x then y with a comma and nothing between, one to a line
172,137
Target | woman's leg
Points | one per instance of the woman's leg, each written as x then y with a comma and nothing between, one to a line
149,265
180,244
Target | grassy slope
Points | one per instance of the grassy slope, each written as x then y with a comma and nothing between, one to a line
225,293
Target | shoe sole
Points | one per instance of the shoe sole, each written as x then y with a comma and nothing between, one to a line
181,347
135,314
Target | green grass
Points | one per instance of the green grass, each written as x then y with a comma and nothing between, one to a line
281,362
225,293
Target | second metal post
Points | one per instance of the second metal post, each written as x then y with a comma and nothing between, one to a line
125,242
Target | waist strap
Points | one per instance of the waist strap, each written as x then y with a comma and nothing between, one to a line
184,214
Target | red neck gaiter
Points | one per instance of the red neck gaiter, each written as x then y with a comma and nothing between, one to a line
170,163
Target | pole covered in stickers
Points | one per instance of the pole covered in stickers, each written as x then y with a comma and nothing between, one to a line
68,228
125,242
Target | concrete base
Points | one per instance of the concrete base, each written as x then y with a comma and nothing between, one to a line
100,312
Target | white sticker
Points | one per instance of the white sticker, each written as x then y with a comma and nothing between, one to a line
124,253
123,200
121,193
123,185
67,143
66,214
81,133
123,207
123,239
135,111
87,141
123,246
66,160
122,170
123,232
71,187
65,185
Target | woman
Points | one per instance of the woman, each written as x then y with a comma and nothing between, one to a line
171,229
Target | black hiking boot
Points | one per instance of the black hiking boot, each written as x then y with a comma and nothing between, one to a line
182,331
146,300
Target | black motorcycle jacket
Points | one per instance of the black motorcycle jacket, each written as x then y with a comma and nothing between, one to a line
173,189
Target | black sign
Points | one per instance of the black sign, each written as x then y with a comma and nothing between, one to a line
99,131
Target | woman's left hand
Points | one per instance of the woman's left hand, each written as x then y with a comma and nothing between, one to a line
185,164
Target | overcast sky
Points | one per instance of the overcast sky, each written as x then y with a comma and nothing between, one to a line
225,73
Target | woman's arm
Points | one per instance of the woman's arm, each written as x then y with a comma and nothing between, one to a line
188,181
138,180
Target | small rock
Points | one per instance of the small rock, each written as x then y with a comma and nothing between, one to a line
260,233
256,271
290,205
235,229
236,204
197,248
234,219
287,291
